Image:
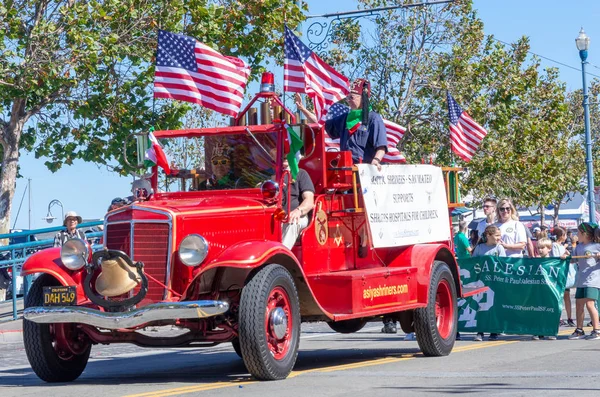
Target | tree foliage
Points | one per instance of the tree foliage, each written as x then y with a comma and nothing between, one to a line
76,76
532,152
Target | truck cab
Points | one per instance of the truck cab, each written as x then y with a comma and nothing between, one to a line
200,249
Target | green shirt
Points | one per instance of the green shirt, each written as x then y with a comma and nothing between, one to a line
461,243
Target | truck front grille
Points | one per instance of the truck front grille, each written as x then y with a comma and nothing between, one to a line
150,246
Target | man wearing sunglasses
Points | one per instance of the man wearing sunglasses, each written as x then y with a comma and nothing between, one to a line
222,170
489,210
360,129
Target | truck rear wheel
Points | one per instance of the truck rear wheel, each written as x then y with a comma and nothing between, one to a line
269,323
436,324
347,326
56,352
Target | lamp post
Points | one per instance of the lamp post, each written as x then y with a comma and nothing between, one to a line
49,218
583,43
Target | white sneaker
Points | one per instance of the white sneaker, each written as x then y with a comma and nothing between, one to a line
410,336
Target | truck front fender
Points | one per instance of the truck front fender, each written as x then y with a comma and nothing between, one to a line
48,261
249,254
246,257
422,256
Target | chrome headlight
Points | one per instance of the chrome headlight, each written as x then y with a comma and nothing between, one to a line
193,250
74,254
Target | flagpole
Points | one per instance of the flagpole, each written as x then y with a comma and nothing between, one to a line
283,47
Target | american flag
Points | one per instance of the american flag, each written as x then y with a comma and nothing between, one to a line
465,133
393,131
305,72
190,71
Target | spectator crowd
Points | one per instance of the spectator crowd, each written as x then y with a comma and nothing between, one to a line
501,234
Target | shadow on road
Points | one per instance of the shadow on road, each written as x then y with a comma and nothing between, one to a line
196,366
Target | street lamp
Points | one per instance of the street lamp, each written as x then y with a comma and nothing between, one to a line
583,43
49,218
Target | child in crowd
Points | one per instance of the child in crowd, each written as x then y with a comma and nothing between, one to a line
490,246
588,279
558,250
544,247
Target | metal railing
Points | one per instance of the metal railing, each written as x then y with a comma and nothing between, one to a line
21,251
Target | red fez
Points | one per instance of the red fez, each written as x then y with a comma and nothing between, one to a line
359,85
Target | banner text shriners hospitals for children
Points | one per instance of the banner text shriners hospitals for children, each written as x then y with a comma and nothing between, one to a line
405,204
402,216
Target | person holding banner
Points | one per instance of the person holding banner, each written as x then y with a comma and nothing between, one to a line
514,236
586,254
558,250
544,247
490,245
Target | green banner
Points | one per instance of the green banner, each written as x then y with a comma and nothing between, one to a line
525,295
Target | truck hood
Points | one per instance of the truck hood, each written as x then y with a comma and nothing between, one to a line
177,205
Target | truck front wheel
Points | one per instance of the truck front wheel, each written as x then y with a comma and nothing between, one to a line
56,352
269,323
436,324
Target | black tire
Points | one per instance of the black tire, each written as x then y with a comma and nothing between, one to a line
236,346
437,338
39,343
256,349
347,326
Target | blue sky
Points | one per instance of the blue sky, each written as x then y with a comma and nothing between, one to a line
551,25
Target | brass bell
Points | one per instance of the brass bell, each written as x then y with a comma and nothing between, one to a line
116,278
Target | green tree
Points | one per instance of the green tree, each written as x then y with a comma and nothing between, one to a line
76,76
413,56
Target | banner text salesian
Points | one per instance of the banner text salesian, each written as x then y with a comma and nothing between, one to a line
524,295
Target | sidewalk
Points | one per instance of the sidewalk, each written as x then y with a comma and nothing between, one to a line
11,331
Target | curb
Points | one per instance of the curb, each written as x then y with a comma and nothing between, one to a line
11,336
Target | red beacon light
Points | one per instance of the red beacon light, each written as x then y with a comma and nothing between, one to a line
267,82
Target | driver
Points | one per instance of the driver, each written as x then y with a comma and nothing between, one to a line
222,168
222,176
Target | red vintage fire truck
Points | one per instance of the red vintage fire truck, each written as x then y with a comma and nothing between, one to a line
207,258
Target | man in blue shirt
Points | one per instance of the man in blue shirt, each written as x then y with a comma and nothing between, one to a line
360,130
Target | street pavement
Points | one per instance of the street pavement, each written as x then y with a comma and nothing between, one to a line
10,331
329,364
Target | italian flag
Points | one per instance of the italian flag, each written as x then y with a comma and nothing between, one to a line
293,145
155,155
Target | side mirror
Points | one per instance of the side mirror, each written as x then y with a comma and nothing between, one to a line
269,189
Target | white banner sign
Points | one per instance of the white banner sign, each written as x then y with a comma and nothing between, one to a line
405,204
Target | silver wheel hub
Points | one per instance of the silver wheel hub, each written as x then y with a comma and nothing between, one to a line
278,322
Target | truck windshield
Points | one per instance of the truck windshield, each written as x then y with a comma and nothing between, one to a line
218,162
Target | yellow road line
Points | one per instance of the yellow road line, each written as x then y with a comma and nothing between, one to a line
191,389
342,367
